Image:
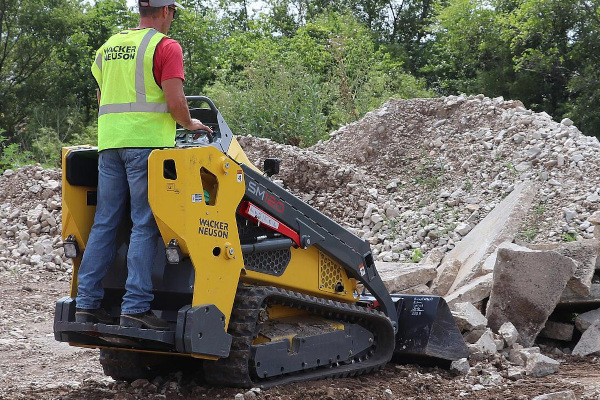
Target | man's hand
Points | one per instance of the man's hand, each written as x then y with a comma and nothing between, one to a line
196,125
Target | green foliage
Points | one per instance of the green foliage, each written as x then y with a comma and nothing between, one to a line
569,237
296,89
298,69
417,255
275,102
11,156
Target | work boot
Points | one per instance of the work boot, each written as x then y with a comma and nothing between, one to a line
145,320
96,315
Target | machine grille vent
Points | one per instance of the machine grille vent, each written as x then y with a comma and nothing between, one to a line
268,262
330,273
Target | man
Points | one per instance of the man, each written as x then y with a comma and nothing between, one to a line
140,78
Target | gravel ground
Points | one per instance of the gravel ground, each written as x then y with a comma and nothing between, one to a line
34,366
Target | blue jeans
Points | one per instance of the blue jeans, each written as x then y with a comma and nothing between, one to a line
120,172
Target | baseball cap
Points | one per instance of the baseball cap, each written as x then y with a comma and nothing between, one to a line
159,3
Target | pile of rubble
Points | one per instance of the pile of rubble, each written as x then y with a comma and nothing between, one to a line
30,222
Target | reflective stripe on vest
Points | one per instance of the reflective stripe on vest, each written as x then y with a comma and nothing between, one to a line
140,104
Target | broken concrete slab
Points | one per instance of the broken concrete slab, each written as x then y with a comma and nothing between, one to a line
499,226
468,317
589,342
593,299
539,365
526,288
473,292
445,275
564,395
401,276
586,319
585,254
558,331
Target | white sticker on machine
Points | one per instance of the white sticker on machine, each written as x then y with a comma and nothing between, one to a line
240,176
197,198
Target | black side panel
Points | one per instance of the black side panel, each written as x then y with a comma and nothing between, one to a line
82,167
317,229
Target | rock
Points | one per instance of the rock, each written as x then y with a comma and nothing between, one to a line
509,333
445,275
479,289
468,317
499,226
585,320
399,276
388,394
558,330
473,336
585,254
519,355
515,373
566,122
462,229
526,287
589,342
460,367
539,365
486,344
565,395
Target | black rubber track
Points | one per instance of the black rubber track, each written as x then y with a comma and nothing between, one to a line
236,370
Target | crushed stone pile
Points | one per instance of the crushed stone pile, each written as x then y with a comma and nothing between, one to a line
421,173
413,175
30,222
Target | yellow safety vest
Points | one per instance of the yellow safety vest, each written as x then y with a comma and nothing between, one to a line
133,111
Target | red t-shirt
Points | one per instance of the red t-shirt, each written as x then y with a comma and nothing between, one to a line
168,61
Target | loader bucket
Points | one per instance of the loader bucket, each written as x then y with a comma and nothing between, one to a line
427,332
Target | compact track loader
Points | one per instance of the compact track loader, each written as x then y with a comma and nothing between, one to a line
258,286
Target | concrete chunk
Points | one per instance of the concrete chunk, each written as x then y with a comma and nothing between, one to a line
445,275
499,226
468,317
460,367
401,276
564,395
474,292
486,344
539,365
585,254
589,342
509,333
526,288
585,320
519,355
558,330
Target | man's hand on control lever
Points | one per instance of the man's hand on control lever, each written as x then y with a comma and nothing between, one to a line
196,125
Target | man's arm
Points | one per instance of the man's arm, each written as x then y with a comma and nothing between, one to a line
178,107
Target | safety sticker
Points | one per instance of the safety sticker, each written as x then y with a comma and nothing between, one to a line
240,176
197,198
361,268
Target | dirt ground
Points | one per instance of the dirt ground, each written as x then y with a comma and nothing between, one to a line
34,366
